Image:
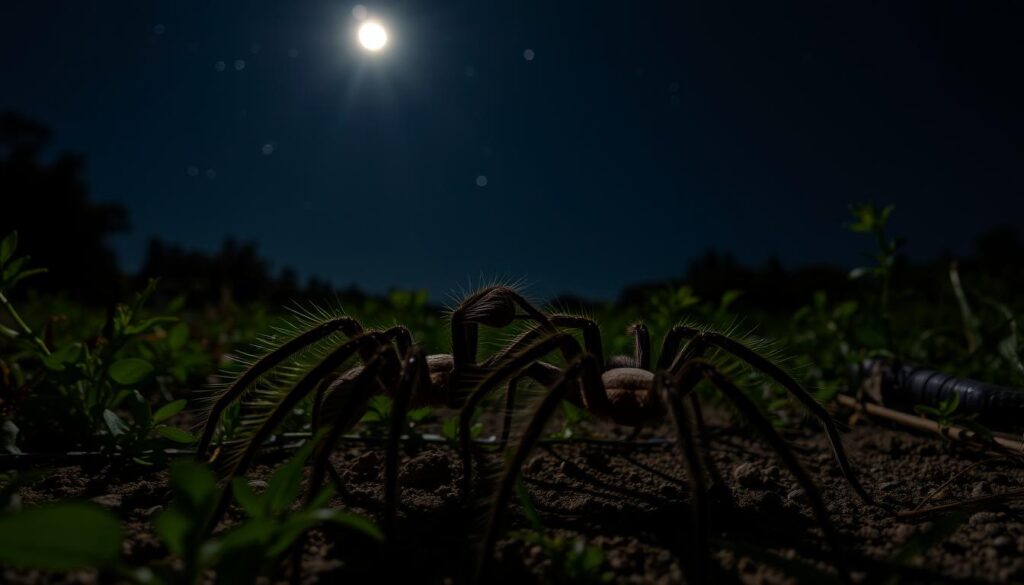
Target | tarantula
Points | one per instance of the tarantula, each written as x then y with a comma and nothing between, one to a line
627,391
275,382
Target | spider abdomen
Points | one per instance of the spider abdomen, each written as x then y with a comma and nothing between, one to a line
631,396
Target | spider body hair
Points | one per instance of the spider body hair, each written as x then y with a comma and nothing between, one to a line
315,356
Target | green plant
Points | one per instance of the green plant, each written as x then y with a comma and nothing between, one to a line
255,546
60,537
571,560
143,442
450,428
573,418
89,392
74,535
12,271
946,415
870,219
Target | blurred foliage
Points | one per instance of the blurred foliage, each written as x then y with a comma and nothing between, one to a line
77,535
64,392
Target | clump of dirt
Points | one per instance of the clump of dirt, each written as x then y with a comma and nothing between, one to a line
630,502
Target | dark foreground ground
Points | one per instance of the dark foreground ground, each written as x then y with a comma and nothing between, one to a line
630,501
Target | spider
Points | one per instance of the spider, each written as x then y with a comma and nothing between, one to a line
628,391
275,382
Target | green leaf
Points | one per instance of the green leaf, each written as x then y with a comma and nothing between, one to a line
168,410
60,537
450,428
8,246
418,415
175,434
348,519
178,336
25,274
246,498
130,371
254,534
283,487
148,324
728,298
193,485
14,268
173,527
65,354
115,424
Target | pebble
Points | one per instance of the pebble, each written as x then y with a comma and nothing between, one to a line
980,489
258,484
903,531
1003,543
535,465
746,474
109,501
983,518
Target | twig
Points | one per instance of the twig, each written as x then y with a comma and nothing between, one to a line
965,503
1006,442
952,479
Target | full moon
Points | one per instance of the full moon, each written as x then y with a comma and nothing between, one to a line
372,36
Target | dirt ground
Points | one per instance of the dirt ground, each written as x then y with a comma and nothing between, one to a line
630,501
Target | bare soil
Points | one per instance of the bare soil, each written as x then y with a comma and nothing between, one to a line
631,501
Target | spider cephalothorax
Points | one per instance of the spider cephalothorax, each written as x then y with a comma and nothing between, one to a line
626,390
317,360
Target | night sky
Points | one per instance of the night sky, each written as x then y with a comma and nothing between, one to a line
616,140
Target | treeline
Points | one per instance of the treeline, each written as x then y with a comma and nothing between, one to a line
995,268
47,200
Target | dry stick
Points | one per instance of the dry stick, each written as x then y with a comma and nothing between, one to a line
952,479
917,422
994,498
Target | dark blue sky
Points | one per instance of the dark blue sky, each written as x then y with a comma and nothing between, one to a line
640,134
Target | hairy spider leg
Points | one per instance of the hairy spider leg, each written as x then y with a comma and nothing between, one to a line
415,378
584,371
566,382
348,397
563,342
346,325
700,368
696,556
543,373
402,338
776,373
362,343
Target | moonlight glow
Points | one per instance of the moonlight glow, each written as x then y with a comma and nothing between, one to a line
372,36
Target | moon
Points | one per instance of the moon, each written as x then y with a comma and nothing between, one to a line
372,36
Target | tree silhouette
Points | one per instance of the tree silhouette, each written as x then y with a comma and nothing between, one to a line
48,203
